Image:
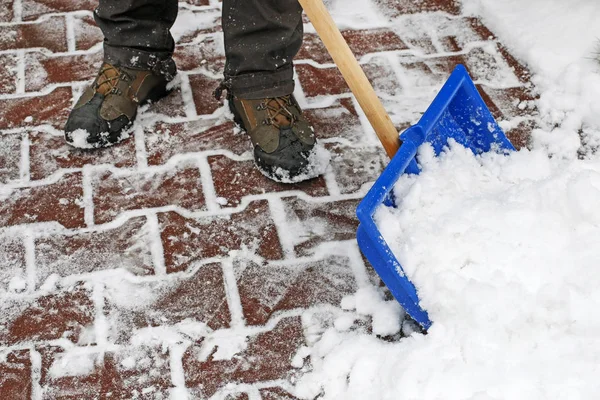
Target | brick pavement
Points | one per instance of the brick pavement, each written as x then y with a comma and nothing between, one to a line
168,266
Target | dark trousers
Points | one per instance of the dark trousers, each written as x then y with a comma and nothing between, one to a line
261,39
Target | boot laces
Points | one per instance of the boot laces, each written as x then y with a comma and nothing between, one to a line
278,112
109,78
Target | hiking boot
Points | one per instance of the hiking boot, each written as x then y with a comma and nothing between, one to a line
109,106
283,140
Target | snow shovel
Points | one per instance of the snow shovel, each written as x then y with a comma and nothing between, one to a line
457,112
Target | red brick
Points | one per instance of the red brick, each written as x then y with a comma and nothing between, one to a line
361,42
87,33
126,247
356,166
316,223
171,106
116,193
450,44
110,375
6,11
48,154
202,91
420,42
8,73
200,297
49,34
237,396
337,121
52,108
208,54
520,135
32,9
62,314
15,375
59,201
41,71
236,179
267,357
403,7
276,393
329,81
10,157
165,140
267,290
186,241
12,259
513,102
207,22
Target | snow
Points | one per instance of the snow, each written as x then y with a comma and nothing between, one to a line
318,162
502,249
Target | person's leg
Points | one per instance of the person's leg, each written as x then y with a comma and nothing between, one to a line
137,67
261,39
136,32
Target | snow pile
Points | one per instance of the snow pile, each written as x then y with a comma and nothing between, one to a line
504,253
559,40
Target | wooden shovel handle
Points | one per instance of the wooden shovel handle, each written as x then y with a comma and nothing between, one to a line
353,74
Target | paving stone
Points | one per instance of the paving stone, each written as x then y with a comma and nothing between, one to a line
7,12
49,34
87,33
59,201
361,42
115,193
12,260
52,108
309,224
15,375
514,102
133,373
10,157
49,153
402,7
62,314
172,106
197,298
187,240
41,70
165,140
207,21
329,81
202,91
520,135
276,393
267,357
208,54
8,73
266,290
126,247
356,166
236,179
237,396
339,120
33,9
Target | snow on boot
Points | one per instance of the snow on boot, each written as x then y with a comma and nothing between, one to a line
109,106
284,142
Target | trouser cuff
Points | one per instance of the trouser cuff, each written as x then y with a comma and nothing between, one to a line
258,85
159,62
